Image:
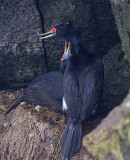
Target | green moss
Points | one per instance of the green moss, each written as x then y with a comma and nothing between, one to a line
124,0
110,146
125,130
123,49
125,57
113,142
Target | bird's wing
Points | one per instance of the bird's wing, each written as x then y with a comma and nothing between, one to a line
72,95
92,91
46,76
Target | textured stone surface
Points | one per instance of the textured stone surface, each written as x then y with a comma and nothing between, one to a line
21,50
23,55
93,19
111,139
121,10
116,79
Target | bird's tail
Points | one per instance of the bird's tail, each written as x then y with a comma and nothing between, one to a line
71,139
14,105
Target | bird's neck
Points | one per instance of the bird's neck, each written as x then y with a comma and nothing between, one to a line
78,44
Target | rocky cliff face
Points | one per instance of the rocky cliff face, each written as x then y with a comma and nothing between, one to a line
23,55
111,139
121,10
21,51
116,78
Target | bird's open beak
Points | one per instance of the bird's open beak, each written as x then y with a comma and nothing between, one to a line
67,52
51,33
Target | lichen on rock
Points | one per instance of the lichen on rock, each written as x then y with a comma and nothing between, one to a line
121,10
111,139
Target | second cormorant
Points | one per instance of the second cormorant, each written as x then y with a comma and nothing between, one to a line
47,89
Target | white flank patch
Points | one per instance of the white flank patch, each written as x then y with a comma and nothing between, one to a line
64,106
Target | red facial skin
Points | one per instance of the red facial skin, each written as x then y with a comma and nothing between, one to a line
53,30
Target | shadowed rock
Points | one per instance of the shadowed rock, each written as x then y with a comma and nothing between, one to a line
121,10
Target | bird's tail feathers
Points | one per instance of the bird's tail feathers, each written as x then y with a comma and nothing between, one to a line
71,139
14,105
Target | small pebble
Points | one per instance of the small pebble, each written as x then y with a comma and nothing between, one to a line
38,108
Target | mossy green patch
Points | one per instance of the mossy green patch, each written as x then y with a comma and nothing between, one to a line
105,143
125,57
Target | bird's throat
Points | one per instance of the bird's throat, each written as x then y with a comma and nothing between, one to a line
67,51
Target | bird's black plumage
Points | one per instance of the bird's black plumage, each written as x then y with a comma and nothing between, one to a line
45,90
83,82
63,65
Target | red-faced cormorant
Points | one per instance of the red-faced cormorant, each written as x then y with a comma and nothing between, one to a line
83,82
47,89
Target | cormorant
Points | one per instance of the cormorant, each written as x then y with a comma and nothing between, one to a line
82,87
47,89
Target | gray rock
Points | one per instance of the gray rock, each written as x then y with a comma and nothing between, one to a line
121,10
116,79
111,139
23,56
21,50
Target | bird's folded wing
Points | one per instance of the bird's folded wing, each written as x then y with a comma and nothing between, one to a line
82,94
72,95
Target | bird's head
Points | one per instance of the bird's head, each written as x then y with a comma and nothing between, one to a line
63,30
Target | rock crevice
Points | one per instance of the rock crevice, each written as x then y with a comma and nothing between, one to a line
43,31
23,56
